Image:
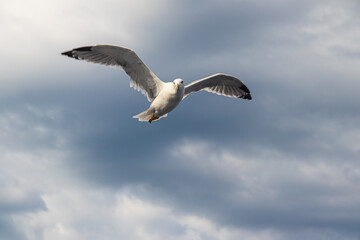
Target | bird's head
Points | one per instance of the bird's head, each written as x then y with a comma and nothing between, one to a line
178,83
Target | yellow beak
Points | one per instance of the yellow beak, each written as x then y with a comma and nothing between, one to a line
177,85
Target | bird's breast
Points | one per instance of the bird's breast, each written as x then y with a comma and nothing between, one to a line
168,98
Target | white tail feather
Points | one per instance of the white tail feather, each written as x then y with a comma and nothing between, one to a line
145,115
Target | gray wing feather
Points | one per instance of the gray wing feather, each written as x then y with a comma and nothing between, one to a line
221,84
141,77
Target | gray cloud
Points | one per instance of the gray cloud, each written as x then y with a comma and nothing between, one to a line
286,161
7,230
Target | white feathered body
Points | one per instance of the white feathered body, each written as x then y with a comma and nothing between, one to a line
169,97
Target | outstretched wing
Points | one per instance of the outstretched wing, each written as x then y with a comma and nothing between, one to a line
221,84
141,77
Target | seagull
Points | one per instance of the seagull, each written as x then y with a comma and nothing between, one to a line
164,96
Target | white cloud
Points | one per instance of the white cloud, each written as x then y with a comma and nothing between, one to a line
35,33
74,209
66,207
332,27
268,177
99,214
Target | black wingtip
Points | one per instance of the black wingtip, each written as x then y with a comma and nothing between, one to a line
72,54
83,49
248,97
247,94
245,89
68,53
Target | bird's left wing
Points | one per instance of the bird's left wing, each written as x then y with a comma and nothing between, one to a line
141,77
221,84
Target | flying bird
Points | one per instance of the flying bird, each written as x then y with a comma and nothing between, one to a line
164,96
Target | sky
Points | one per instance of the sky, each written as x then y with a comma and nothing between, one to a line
74,164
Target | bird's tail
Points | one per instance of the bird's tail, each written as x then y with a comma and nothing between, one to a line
145,115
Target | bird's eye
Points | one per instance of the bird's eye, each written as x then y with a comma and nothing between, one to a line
182,81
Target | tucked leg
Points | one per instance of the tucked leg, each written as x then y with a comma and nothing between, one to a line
153,118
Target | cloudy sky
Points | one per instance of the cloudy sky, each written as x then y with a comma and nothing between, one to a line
74,164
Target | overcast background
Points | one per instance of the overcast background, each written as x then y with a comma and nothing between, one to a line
74,164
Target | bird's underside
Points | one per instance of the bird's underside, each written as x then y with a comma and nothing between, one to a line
164,97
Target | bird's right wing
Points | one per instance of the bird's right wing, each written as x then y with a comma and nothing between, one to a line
141,77
221,84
